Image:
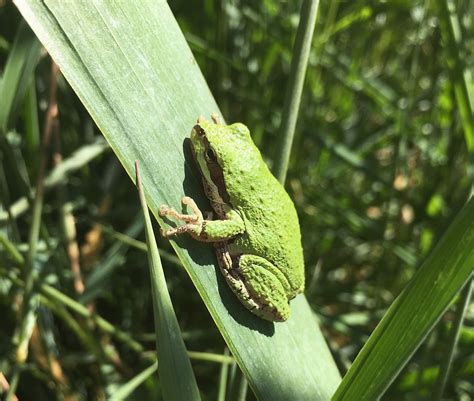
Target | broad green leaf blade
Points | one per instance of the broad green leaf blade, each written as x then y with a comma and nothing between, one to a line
132,69
176,374
414,312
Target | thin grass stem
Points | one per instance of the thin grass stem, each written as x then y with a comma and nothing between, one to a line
446,365
304,37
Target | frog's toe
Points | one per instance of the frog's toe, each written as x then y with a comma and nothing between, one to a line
195,218
188,201
190,228
166,233
163,210
215,117
273,313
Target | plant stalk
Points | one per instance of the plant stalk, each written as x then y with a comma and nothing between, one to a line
301,51
445,367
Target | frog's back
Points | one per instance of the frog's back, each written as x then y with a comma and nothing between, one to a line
271,222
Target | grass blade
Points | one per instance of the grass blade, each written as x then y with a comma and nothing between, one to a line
21,62
175,371
304,37
60,173
224,373
123,392
451,34
455,332
414,312
31,271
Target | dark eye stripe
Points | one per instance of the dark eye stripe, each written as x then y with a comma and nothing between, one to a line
215,170
218,179
211,156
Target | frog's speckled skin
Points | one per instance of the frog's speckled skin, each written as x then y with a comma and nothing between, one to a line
257,235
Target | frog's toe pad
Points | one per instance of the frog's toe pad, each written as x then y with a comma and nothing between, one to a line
163,210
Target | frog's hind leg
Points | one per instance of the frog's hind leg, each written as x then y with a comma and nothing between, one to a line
232,275
256,283
265,283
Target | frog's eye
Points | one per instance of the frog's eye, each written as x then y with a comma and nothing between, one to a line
210,155
199,130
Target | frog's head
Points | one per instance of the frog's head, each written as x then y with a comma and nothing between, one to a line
221,150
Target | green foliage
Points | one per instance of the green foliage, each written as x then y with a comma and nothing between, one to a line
380,167
174,368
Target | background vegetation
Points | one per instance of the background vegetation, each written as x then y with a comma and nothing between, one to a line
381,164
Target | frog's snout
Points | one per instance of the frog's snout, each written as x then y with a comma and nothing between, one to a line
197,130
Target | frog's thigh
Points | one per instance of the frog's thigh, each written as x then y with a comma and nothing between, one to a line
264,283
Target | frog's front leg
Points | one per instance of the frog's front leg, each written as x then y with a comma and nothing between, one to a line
201,229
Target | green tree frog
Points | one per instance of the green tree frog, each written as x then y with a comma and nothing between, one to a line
254,228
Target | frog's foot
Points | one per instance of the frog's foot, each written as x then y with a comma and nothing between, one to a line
265,288
215,117
257,283
194,222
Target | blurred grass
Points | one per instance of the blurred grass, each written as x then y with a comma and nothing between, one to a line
460,77
17,74
414,313
377,172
